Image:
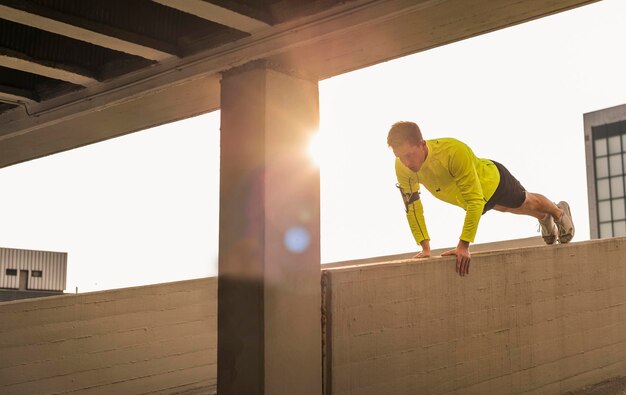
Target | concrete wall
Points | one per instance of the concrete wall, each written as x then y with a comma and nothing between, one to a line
152,339
537,320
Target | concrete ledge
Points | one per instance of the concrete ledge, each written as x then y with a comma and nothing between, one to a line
159,338
545,319
496,246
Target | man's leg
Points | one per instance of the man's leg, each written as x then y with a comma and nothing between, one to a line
554,219
535,205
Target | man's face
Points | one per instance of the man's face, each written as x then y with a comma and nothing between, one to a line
412,156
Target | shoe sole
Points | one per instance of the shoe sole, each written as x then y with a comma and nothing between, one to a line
549,240
568,237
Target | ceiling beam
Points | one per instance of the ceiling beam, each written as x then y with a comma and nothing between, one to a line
80,29
217,14
11,95
16,61
194,96
347,37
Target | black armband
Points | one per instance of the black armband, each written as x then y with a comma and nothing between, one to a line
408,197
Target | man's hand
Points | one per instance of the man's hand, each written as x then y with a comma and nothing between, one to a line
463,257
425,253
422,254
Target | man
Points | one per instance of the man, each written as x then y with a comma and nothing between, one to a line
451,172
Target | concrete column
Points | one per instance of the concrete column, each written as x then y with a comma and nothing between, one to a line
269,332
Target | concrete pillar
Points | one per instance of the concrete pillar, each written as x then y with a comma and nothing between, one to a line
269,331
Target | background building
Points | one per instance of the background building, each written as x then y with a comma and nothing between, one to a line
605,150
31,274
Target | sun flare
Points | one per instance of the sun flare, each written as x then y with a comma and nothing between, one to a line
316,148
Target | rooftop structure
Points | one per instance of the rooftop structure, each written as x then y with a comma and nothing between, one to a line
30,273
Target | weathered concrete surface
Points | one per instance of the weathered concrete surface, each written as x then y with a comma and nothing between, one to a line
614,386
159,338
537,320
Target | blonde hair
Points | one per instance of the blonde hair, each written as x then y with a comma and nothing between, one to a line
404,132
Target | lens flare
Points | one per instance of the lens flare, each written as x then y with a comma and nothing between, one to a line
297,239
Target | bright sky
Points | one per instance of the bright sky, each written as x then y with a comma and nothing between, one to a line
143,208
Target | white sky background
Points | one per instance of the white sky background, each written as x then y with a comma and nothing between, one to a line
143,208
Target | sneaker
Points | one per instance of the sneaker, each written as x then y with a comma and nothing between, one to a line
549,230
565,224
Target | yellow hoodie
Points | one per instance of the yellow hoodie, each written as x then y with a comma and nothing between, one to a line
452,173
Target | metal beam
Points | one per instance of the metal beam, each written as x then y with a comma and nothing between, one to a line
16,61
217,14
11,95
68,26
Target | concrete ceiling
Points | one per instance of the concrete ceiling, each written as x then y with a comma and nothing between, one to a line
74,72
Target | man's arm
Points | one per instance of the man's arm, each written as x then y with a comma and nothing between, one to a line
417,223
409,188
463,170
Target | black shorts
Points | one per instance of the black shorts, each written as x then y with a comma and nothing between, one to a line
510,193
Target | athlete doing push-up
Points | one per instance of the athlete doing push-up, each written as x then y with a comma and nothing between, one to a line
451,172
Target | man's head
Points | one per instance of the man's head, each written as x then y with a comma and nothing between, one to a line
408,145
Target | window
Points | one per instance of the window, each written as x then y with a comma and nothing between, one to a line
609,152
36,273
11,272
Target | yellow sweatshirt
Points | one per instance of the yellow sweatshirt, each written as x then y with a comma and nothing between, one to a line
452,173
